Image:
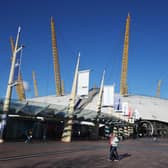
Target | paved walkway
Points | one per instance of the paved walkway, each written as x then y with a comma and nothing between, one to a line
141,153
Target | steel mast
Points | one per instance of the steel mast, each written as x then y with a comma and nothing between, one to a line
55,60
67,132
35,84
19,87
158,89
99,104
11,75
123,82
62,87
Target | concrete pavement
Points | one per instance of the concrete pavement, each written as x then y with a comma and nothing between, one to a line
139,153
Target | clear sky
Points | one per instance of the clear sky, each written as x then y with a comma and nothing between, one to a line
95,28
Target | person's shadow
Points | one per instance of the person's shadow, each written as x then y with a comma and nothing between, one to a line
124,155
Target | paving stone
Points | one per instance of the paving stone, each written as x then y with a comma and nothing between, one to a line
139,153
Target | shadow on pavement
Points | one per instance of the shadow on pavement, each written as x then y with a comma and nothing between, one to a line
124,155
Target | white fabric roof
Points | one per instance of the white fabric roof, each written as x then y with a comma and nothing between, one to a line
149,108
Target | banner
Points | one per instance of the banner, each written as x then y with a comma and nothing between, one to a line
83,83
17,68
136,114
125,108
108,96
130,112
117,104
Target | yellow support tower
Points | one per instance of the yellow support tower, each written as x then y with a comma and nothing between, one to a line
62,87
19,87
35,84
55,59
158,89
123,83
12,45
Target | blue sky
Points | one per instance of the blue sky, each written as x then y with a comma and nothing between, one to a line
95,28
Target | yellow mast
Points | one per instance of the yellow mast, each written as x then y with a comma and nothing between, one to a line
62,87
35,84
158,89
123,82
19,87
55,59
12,44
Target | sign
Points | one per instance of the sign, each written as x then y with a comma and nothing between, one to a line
136,115
83,83
125,108
117,104
17,67
108,96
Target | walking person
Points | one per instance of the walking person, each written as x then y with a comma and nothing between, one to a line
3,119
1,133
44,132
113,147
29,136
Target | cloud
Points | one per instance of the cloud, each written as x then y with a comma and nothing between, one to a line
26,86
